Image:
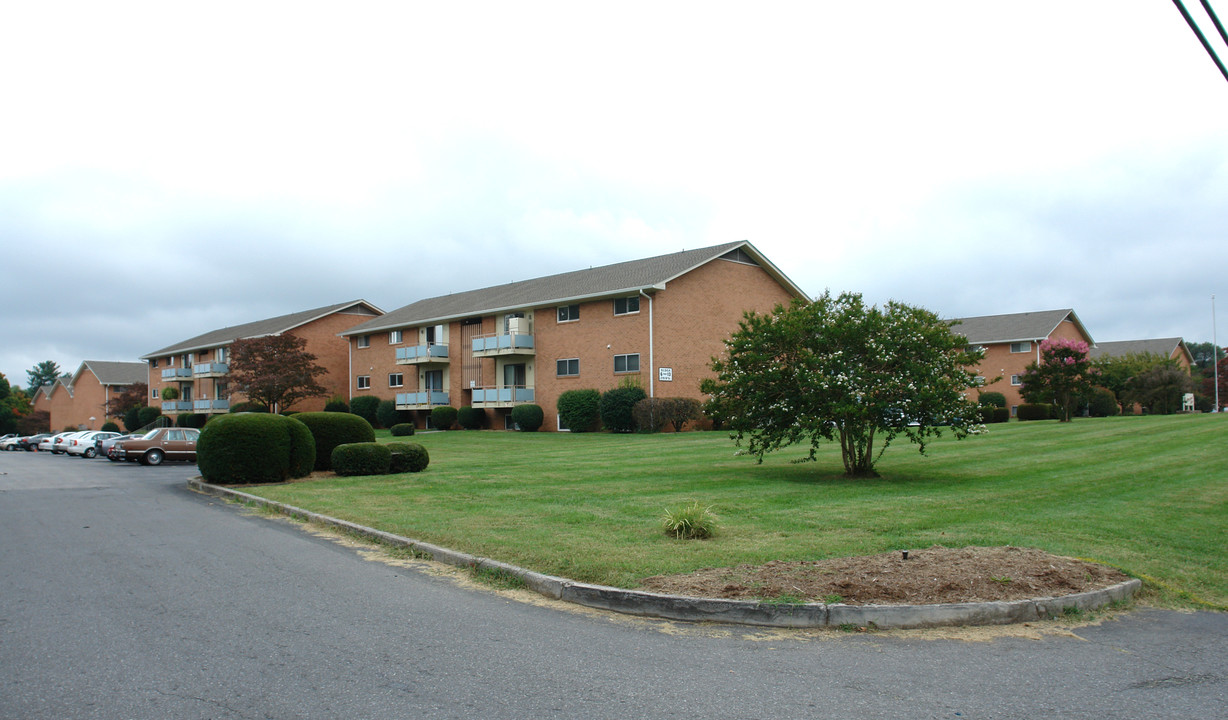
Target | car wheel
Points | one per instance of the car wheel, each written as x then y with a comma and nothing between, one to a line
89,453
153,457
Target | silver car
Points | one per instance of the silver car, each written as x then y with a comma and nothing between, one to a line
85,444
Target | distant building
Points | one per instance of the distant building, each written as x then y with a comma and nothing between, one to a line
1172,348
83,399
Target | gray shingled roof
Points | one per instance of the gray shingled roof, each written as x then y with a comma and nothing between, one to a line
115,373
1163,347
260,328
1015,327
578,285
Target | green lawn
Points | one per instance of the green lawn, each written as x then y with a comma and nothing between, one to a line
1148,495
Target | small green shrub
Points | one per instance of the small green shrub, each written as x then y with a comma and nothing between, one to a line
402,429
528,417
248,407
1001,415
689,522
579,410
365,458
132,419
443,417
146,415
366,407
388,415
616,408
333,429
1102,403
471,418
254,448
170,393
408,457
681,411
109,426
1033,411
992,399
650,415
337,404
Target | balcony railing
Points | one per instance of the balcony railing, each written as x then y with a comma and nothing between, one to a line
504,344
176,373
421,400
422,354
502,396
211,406
210,369
176,406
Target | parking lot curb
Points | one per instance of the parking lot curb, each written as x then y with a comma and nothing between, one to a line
694,609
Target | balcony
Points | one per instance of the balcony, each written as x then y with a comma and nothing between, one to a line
176,406
421,400
504,344
422,355
177,374
502,397
209,407
203,370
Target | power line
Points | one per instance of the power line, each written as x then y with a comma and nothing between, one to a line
1202,38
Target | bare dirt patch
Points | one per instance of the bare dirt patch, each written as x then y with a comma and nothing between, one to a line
934,575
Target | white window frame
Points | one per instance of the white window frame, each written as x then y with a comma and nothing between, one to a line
363,382
399,382
1025,347
153,393
567,360
364,341
394,337
626,301
564,313
626,363
1016,380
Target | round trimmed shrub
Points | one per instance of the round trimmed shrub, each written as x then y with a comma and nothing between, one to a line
366,407
992,399
1102,403
1033,411
170,393
528,417
471,418
1000,415
408,457
254,448
109,426
337,404
402,429
443,417
617,406
365,458
333,429
248,407
147,415
579,410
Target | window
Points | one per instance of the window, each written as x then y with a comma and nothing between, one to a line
221,391
364,341
188,359
396,379
627,305
1014,411
569,367
627,363
394,337
569,313
364,382
1021,347
221,354
154,393
1016,380
153,363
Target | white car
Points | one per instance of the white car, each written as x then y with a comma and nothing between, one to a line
9,442
84,444
51,443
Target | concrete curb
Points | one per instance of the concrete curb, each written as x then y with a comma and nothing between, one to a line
693,609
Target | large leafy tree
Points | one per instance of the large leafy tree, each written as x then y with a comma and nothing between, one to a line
1203,353
42,374
133,396
1161,389
1120,374
839,370
1208,383
1063,373
275,371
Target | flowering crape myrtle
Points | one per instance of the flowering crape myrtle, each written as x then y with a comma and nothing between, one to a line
1064,373
838,370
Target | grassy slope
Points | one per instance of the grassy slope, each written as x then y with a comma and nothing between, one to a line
1148,495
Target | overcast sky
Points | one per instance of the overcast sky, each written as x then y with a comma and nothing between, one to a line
167,169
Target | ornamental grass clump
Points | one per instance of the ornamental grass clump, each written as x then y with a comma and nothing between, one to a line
690,522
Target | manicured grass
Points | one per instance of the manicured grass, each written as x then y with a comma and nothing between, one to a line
1148,495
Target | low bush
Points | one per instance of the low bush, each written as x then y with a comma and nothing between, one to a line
333,429
681,411
992,399
337,404
254,448
443,417
388,415
191,420
471,418
408,457
579,410
616,408
402,429
1102,403
248,407
528,417
649,415
1001,415
1033,411
365,458
367,408
110,427
689,522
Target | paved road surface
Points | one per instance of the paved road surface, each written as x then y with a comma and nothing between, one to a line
124,595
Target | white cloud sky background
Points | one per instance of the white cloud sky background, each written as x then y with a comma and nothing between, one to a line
167,169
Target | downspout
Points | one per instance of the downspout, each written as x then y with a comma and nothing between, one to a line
349,366
652,369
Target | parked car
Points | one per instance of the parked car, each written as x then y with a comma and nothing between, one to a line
9,442
30,443
160,444
50,442
106,448
83,444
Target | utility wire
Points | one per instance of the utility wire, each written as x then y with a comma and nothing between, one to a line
1202,38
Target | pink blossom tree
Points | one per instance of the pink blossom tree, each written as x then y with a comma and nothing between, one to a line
1064,373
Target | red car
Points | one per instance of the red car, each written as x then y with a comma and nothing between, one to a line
158,445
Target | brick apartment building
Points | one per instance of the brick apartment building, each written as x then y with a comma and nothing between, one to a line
1012,342
82,400
198,367
656,322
